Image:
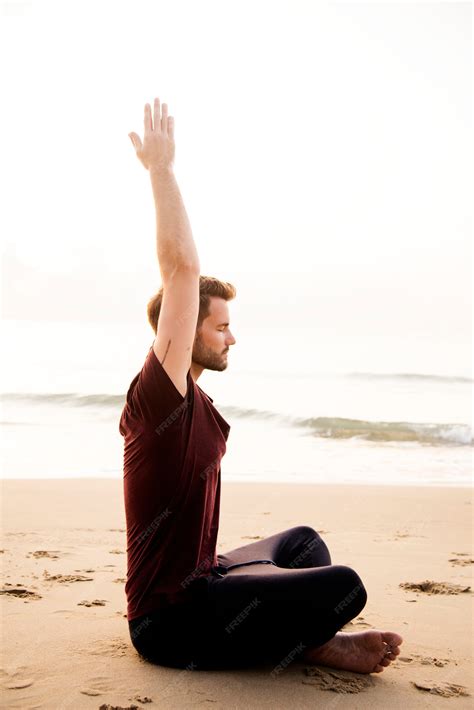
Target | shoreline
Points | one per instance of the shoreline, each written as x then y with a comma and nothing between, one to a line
262,482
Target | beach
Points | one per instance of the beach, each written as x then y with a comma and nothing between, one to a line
65,635
320,305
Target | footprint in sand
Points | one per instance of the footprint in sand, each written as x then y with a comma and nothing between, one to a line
15,680
429,587
115,647
359,622
117,552
251,537
20,592
120,580
402,533
142,699
44,553
94,602
116,529
18,684
66,578
426,660
461,561
96,685
337,681
446,690
106,706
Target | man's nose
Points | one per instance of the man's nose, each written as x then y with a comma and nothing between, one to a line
232,340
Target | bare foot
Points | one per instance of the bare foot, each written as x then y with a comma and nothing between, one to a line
361,652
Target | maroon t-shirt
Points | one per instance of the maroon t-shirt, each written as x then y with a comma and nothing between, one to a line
173,446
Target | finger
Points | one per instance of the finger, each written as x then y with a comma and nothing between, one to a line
164,118
147,119
171,127
136,141
156,115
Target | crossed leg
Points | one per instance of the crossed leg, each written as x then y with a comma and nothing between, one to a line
255,611
296,548
301,548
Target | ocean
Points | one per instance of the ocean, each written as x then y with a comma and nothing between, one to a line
305,405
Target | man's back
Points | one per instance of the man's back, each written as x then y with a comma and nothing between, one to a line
173,446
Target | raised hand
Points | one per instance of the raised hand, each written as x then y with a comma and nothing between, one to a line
157,150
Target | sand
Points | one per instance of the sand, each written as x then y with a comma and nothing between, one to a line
65,637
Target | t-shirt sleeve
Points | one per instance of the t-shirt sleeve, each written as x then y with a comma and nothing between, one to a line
155,400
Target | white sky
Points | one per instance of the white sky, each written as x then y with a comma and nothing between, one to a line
326,146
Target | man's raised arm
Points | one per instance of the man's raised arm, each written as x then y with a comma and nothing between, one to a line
177,254
174,240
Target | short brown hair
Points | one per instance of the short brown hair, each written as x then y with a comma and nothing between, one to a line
208,286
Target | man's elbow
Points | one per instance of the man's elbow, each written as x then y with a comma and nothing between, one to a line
168,271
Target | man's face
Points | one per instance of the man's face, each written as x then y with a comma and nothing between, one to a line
214,338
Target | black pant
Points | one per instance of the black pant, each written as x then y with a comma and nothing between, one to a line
264,602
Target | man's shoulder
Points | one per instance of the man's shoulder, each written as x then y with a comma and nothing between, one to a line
153,398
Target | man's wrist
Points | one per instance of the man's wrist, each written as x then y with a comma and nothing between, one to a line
160,171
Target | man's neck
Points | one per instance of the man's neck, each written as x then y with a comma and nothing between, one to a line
196,371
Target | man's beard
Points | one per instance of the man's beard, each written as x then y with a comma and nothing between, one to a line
207,358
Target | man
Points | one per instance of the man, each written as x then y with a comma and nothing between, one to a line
274,600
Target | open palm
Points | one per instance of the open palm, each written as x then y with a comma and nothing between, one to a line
158,148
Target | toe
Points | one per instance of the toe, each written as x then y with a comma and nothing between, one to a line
384,662
378,669
392,638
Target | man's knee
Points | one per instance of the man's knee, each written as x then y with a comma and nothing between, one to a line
303,531
308,547
351,595
307,536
